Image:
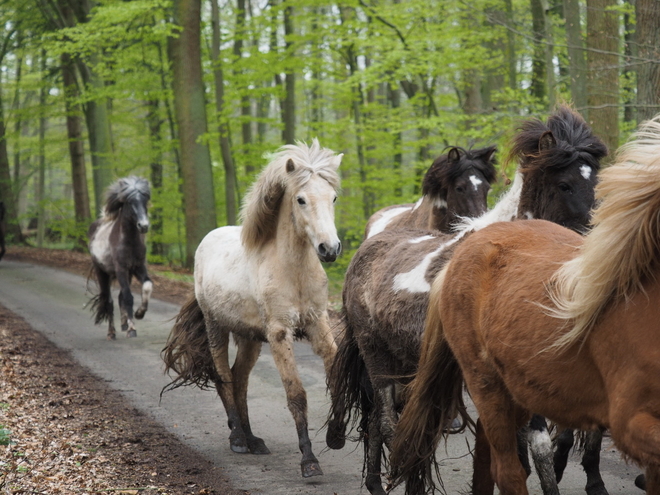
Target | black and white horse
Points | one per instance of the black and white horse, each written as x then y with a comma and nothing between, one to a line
118,249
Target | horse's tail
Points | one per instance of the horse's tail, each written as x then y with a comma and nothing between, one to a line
101,306
187,351
435,399
350,390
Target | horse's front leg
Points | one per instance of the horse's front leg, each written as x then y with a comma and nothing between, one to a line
374,449
147,288
541,448
280,339
591,463
126,303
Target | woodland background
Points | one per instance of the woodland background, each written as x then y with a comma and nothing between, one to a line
192,94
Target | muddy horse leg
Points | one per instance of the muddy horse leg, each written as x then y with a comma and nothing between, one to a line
103,303
281,344
219,345
564,444
373,451
147,288
542,455
591,463
246,357
323,342
126,303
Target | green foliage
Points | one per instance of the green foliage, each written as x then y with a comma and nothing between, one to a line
5,436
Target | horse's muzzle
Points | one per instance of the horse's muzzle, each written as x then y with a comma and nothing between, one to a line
143,228
328,253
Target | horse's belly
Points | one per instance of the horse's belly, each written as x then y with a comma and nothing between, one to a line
100,249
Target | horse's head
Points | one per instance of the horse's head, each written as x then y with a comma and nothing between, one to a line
312,204
130,195
298,188
560,162
458,183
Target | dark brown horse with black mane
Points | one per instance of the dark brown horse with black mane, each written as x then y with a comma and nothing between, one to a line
118,249
550,322
388,281
455,186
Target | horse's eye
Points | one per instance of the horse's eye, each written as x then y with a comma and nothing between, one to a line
460,189
301,201
563,187
334,200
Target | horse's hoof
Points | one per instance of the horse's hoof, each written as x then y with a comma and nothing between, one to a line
239,449
311,468
131,333
640,482
124,327
111,336
335,441
257,446
139,314
238,443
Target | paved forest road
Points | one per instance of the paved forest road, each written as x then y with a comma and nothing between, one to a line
52,302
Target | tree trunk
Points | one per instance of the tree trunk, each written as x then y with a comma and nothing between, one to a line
190,110
6,190
577,65
289,107
538,85
156,178
246,104
41,178
511,46
603,70
648,73
76,148
223,127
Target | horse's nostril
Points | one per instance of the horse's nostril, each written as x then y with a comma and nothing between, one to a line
323,250
339,247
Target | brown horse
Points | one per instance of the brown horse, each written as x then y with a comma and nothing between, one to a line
533,318
388,281
455,185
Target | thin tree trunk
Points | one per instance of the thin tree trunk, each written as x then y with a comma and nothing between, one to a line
603,70
511,46
538,85
289,107
630,53
76,147
158,248
577,64
648,73
6,190
223,127
246,104
41,178
190,109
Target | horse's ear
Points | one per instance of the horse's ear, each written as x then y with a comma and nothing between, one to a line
336,161
547,141
454,155
488,154
290,167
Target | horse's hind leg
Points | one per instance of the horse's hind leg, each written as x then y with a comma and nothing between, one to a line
219,344
103,302
147,288
280,339
374,449
564,443
591,463
541,448
246,357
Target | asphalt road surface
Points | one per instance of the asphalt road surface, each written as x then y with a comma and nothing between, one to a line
52,302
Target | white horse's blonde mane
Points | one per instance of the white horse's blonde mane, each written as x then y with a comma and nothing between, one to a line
262,202
623,249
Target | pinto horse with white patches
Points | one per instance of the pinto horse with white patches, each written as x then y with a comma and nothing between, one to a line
533,318
455,186
387,284
263,282
118,249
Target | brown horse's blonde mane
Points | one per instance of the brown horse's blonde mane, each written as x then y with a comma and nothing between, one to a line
623,249
261,204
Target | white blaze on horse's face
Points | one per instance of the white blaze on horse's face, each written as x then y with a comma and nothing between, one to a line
314,212
141,216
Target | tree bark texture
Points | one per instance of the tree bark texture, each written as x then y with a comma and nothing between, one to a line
603,70
289,107
577,64
76,145
190,110
648,72
13,229
223,127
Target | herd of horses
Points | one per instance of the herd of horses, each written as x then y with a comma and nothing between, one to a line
548,316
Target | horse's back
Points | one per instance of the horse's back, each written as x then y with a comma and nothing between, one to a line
386,218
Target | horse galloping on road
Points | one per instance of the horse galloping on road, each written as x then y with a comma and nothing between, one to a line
118,249
264,282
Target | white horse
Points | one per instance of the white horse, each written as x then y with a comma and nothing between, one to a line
263,282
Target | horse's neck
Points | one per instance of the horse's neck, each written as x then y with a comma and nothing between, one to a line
429,213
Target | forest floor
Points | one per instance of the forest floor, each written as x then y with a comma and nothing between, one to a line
64,431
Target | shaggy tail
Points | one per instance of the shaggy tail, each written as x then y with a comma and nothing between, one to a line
351,391
101,307
187,351
435,399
